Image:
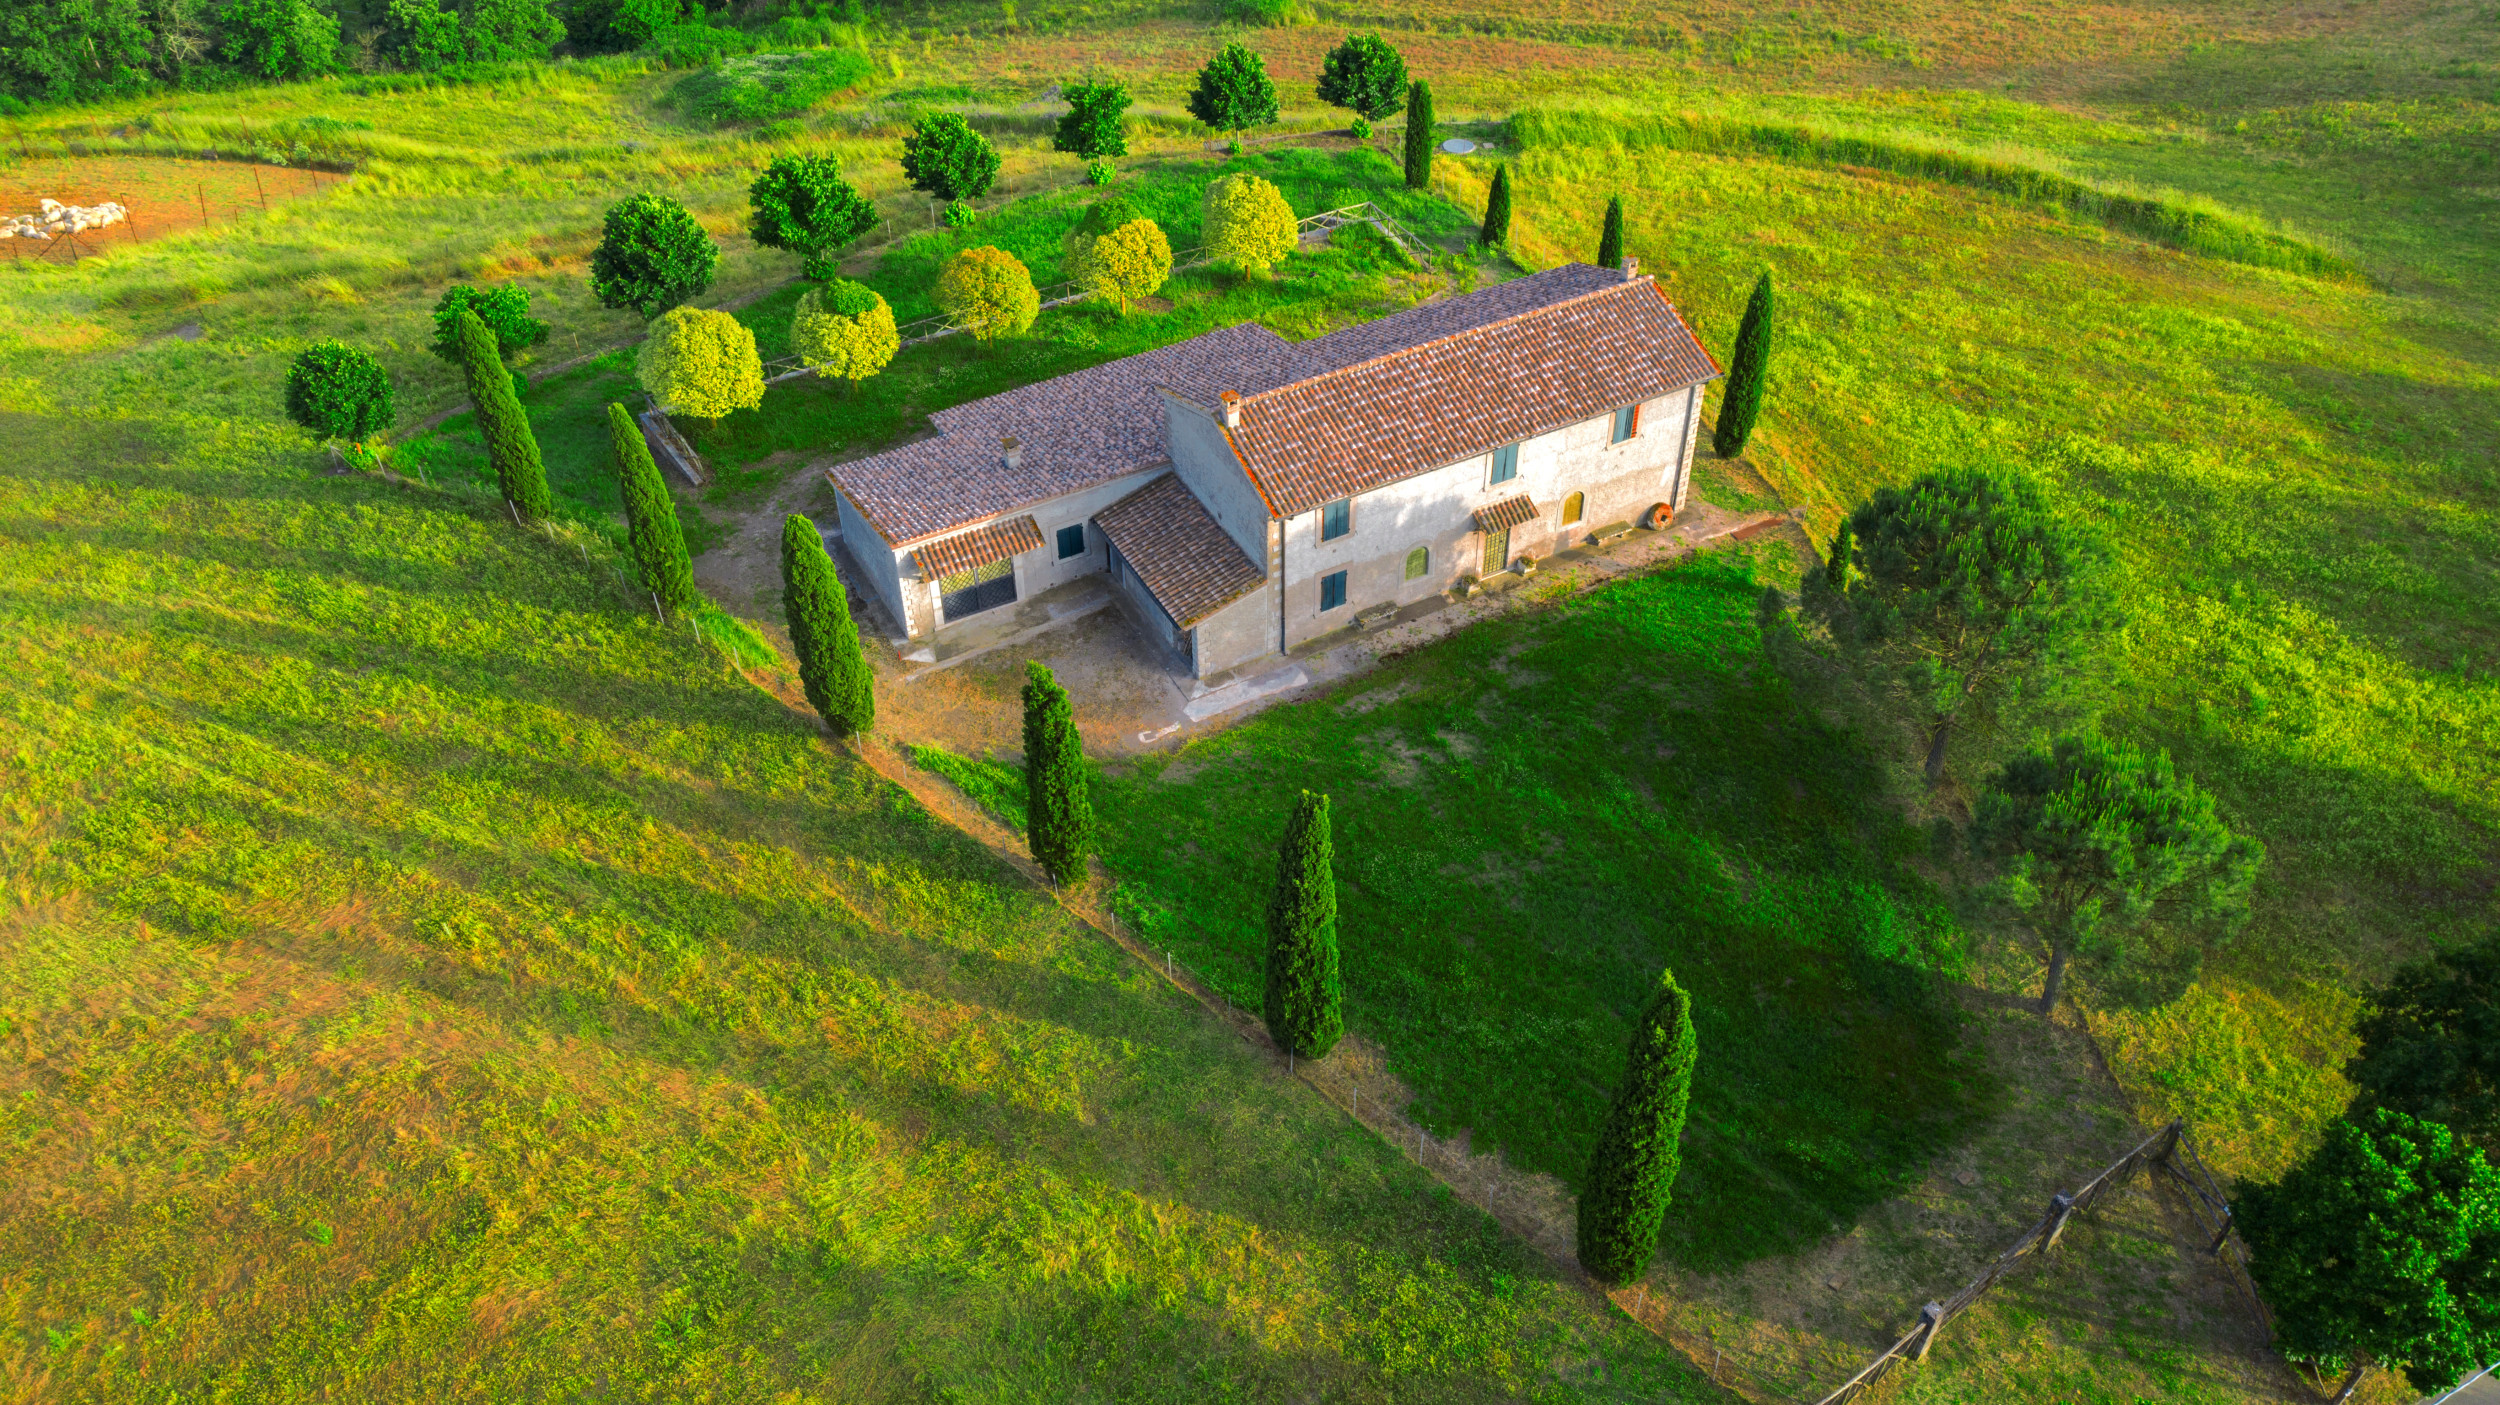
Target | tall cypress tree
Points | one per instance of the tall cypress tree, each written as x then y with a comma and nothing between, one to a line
509,444
831,667
1836,564
650,516
1632,1176
1418,135
1497,210
1058,813
1742,404
1610,239
1304,1005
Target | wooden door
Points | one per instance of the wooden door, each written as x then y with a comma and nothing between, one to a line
1497,552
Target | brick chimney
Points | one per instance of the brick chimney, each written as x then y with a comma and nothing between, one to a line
1012,453
1232,409
1631,268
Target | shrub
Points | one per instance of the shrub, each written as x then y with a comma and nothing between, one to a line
989,293
2430,1043
420,35
1233,92
1747,370
1418,135
1366,74
1496,231
1631,1177
1090,128
802,204
504,309
844,330
1098,173
658,543
1059,813
2383,1245
1129,263
278,39
613,26
701,363
1275,14
1610,237
945,157
959,214
1304,1005
2113,858
696,45
757,87
1248,224
1361,128
831,667
511,447
507,31
338,392
651,255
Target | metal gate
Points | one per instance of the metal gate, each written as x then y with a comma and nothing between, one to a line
981,588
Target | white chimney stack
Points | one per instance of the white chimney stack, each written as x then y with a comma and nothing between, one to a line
1631,268
1013,452
1232,409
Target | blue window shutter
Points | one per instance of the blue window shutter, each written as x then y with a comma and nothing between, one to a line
1072,541
1336,519
1332,590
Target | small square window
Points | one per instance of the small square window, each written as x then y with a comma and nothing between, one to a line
1627,423
1336,519
1505,464
1332,590
1072,541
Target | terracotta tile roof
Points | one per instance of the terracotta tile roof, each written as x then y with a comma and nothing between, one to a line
1431,322
1506,514
978,547
1075,431
1190,564
1374,422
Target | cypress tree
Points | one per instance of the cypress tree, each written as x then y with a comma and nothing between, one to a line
1610,239
1742,404
1836,565
1497,210
650,516
1304,1005
509,444
831,667
1058,814
1418,135
1632,1177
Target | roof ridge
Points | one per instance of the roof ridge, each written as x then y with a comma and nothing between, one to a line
1370,361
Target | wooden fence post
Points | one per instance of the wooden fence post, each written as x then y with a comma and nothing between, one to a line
1931,1321
2170,1140
2352,1381
2061,1209
2221,1234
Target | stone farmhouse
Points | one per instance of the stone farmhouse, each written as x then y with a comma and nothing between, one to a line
1247,494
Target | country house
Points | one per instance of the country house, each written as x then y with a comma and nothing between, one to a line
1247,494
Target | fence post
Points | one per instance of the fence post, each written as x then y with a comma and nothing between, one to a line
2222,1234
2352,1381
1931,1321
2170,1140
2061,1209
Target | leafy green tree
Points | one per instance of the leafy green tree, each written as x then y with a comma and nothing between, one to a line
614,26
832,667
2384,1245
1366,74
1091,128
1129,263
1496,231
1058,810
1836,561
651,255
844,330
420,36
1418,135
1247,223
508,31
700,362
2117,861
1967,585
1233,92
1742,404
989,293
56,51
659,544
338,392
510,446
1305,1007
945,157
505,309
278,39
2430,1043
1610,238
802,204
1631,1177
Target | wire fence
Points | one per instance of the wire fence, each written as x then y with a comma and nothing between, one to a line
157,200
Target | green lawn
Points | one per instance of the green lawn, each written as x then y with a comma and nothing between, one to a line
425,978
1534,817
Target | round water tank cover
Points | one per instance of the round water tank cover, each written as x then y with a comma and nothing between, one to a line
1457,146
